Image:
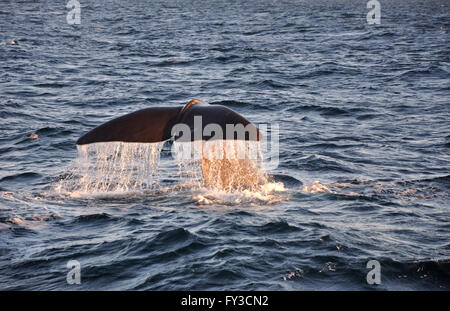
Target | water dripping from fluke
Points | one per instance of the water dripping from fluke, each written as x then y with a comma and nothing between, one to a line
226,172
113,167
217,171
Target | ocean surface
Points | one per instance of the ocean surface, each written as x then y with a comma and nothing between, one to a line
363,168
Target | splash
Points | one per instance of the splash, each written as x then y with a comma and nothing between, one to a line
316,187
219,164
112,167
224,172
269,193
403,190
227,172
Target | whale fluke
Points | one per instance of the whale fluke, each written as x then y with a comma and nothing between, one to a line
155,124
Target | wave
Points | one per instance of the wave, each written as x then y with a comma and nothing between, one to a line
328,110
377,190
21,177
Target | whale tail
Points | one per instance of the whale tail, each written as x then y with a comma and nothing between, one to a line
157,124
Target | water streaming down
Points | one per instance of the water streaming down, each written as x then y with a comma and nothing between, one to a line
113,167
234,165
226,172
127,167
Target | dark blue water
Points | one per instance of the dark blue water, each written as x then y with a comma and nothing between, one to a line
364,116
